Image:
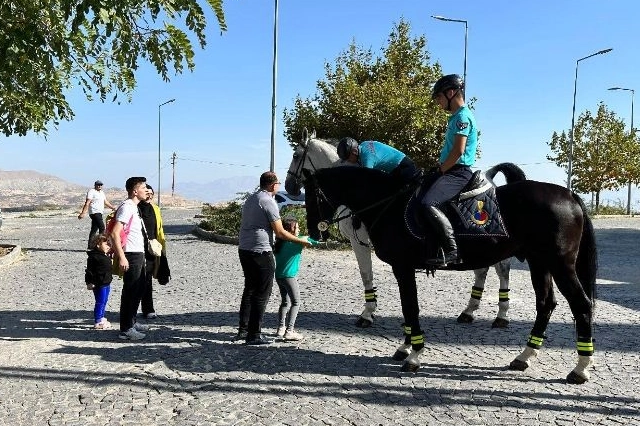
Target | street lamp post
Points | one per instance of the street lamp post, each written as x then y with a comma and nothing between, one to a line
466,28
159,107
632,132
273,87
573,114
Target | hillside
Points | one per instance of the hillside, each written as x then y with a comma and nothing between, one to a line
26,190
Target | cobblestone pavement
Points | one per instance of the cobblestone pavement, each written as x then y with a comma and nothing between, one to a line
56,370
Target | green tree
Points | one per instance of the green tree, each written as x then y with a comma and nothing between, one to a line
387,98
47,46
604,154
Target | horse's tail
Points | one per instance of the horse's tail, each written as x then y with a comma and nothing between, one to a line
511,172
587,262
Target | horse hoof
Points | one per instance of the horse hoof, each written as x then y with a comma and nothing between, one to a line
400,356
465,318
500,323
518,365
363,323
575,379
409,368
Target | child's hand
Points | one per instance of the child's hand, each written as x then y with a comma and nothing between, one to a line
312,241
90,286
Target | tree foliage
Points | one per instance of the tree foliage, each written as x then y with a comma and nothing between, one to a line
386,98
47,46
605,156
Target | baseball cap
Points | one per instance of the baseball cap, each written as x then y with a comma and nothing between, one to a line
98,182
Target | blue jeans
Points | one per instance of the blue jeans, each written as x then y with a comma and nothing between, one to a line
102,297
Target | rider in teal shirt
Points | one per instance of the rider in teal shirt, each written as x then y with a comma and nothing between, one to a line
379,156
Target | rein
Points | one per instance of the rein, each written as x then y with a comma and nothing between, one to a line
388,200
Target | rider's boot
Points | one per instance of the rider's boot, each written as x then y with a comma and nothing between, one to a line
444,231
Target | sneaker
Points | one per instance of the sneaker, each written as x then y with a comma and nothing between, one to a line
131,334
105,321
141,327
151,315
280,331
102,326
242,335
258,340
293,335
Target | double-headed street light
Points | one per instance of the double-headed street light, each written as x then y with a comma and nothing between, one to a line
159,106
632,132
442,18
573,116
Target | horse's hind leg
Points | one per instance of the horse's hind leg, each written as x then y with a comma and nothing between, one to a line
502,270
582,310
545,304
477,289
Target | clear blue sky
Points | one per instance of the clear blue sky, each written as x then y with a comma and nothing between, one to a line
520,66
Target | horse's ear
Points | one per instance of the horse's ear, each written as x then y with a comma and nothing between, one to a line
305,137
313,134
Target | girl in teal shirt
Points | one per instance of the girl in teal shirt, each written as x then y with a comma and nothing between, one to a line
288,255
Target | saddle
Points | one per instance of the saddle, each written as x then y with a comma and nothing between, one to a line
473,213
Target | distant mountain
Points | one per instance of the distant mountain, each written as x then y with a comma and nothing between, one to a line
218,190
31,190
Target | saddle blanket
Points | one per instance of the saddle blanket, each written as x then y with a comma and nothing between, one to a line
474,214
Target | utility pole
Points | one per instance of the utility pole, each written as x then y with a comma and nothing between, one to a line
173,178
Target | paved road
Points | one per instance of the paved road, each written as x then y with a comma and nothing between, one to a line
56,370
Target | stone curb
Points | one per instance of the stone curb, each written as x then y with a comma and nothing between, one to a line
212,236
11,256
224,239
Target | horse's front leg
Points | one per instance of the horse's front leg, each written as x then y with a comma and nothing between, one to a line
359,239
413,336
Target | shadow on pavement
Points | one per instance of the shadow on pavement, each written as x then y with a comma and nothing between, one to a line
78,326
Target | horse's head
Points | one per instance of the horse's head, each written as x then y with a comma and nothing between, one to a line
310,154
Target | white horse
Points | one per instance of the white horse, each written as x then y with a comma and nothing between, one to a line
312,154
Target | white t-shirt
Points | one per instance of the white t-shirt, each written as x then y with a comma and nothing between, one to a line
135,240
97,201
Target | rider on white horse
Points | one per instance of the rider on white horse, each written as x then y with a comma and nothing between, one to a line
379,156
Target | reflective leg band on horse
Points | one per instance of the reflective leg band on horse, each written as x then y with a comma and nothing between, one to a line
503,303
476,292
535,342
585,346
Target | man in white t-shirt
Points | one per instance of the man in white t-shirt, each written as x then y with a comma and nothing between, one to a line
131,257
94,204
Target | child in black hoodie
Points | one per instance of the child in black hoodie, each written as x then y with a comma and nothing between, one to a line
98,278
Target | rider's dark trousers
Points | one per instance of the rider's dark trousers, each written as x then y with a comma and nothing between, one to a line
447,186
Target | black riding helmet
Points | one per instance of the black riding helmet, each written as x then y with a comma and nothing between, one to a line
345,146
451,81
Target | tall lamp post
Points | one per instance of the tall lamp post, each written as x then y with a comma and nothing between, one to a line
466,28
159,107
273,87
632,132
573,115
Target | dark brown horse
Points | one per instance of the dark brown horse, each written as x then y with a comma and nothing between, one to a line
547,225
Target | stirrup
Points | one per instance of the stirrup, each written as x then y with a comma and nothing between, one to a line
446,259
